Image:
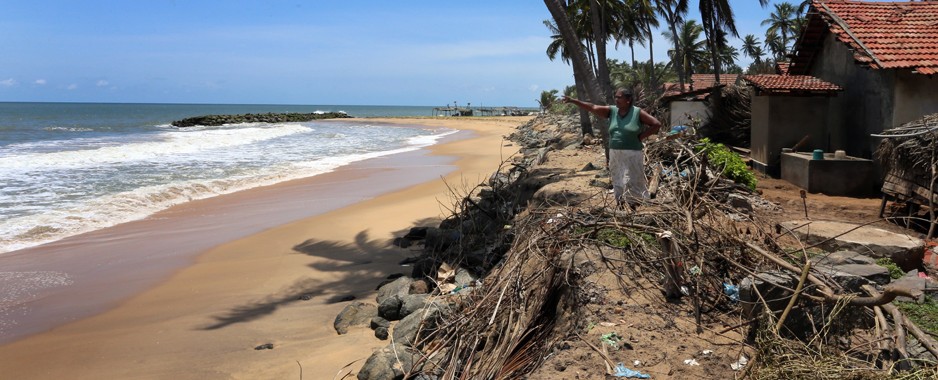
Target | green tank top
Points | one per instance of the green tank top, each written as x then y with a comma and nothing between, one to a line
624,130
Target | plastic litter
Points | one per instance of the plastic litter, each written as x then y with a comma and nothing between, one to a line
740,364
694,270
706,352
612,339
731,291
691,362
622,371
677,129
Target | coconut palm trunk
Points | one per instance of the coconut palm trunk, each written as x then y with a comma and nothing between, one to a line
579,60
599,40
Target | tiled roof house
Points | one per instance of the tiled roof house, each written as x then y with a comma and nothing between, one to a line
884,55
687,107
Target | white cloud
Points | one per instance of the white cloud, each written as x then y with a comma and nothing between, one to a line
8,82
41,82
72,86
101,83
534,88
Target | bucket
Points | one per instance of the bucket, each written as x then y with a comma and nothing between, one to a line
840,155
818,154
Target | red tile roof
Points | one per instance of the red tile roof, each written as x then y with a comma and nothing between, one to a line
702,81
781,68
701,84
671,88
774,83
883,35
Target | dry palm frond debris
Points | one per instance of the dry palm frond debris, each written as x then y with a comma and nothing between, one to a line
730,117
908,151
697,239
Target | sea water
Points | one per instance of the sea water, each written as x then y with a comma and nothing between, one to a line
69,168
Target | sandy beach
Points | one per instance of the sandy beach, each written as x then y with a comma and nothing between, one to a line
160,312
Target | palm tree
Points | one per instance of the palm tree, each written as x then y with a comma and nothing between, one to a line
574,50
803,7
644,16
556,47
692,49
782,21
716,15
673,12
630,30
621,74
547,100
774,43
728,55
751,48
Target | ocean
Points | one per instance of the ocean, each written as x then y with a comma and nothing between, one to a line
70,168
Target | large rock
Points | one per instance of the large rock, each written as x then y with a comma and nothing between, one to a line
412,303
842,258
408,329
438,240
771,286
852,270
354,314
464,277
400,287
904,250
390,308
387,363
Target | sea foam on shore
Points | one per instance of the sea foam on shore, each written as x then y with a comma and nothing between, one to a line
58,186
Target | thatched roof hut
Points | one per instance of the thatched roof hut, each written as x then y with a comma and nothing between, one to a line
909,151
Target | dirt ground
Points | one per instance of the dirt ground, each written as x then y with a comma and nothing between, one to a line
655,336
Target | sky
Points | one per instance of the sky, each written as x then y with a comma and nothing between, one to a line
367,52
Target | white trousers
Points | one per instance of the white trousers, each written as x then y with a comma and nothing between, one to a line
627,169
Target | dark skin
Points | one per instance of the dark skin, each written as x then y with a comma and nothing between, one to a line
624,103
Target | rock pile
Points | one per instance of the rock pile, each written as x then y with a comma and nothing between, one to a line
215,120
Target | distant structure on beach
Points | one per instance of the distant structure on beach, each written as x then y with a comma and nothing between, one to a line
455,110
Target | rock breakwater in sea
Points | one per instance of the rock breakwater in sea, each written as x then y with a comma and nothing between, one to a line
215,120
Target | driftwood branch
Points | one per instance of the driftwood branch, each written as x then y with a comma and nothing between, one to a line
889,293
927,341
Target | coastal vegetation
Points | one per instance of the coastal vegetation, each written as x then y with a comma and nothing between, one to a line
215,120
581,30
730,164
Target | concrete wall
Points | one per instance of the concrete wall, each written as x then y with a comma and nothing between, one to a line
682,111
844,177
780,121
915,96
759,129
864,107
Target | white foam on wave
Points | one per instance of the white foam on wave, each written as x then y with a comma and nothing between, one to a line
424,141
169,146
51,225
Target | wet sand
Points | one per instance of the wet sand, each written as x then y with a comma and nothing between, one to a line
191,291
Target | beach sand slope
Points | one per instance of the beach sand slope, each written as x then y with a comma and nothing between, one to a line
283,287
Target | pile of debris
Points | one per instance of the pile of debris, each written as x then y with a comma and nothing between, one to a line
518,283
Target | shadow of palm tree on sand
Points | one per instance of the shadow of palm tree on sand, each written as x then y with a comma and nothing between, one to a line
361,264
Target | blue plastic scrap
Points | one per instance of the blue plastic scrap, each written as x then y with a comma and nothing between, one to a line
622,371
731,291
677,129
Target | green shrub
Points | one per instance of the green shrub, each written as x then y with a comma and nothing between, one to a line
733,166
613,237
925,315
894,271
